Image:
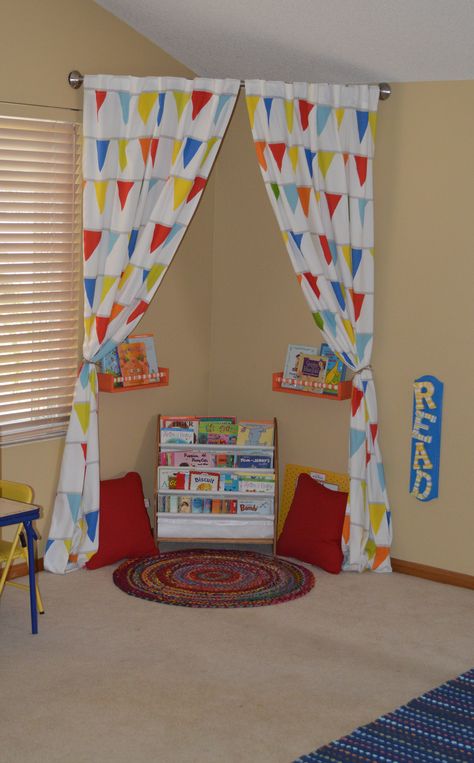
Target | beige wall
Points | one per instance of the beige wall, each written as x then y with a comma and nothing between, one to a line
423,315
41,42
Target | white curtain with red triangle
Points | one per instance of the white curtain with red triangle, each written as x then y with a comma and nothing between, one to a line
149,145
315,147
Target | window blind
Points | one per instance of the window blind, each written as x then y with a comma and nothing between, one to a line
40,251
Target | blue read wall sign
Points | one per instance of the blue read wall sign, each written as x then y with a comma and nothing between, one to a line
426,437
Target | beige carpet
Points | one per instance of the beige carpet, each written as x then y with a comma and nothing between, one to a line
114,678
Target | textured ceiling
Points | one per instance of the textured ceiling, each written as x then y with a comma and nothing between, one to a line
341,41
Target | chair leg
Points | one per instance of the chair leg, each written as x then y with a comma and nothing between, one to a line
39,601
6,569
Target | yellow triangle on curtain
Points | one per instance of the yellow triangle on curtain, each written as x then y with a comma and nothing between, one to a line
252,103
339,115
181,189
289,112
83,412
122,153
324,161
146,101
100,187
181,101
88,323
293,153
373,123
107,283
176,149
346,251
154,275
210,144
349,330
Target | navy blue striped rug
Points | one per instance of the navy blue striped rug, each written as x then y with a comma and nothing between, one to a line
437,727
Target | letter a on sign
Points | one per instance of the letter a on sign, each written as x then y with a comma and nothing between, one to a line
426,437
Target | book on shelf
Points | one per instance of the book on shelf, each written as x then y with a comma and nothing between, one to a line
335,370
255,433
197,505
110,365
189,423
217,432
252,483
184,504
252,506
293,355
176,436
172,480
133,362
312,371
254,461
231,482
204,481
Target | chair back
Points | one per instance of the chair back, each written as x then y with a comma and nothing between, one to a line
16,491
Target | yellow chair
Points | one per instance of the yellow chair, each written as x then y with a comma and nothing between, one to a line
17,548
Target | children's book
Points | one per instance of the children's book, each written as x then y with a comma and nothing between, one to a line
231,481
148,341
176,436
217,432
224,459
180,422
192,458
293,355
254,461
335,369
184,504
133,363
204,481
253,506
172,480
255,433
110,365
252,483
312,371
197,506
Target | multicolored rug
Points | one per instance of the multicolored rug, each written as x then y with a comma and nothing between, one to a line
202,578
437,727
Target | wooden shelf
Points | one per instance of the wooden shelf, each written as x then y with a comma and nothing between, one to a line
344,389
106,382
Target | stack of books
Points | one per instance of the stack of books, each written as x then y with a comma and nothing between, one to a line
204,430
315,369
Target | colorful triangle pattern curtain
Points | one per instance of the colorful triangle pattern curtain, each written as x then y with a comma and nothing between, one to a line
315,146
149,145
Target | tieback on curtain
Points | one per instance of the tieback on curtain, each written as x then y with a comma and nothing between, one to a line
365,368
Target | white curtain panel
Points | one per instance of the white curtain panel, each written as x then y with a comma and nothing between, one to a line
315,147
149,145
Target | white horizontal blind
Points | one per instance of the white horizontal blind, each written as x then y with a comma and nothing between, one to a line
40,251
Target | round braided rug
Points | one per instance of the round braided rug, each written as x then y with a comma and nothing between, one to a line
213,578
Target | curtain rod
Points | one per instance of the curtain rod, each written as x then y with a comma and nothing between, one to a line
76,79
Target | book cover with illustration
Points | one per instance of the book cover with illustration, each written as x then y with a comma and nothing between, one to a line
205,481
181,422
255,433
290,371
217,432
133,363
184,504
312,371
252,483
170,479
176,436
110,364
148,341
231,481
335,369
192,458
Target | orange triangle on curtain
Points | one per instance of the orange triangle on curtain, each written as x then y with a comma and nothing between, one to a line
260,146
116,310
346,528
145,147
91,242
305,195
278,151
380,556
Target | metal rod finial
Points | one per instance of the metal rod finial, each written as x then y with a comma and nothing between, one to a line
75,79
385,91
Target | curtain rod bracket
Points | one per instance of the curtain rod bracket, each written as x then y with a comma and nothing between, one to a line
76,79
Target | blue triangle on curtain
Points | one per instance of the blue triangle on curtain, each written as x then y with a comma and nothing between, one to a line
112,240
102,148
329,321
84,375
388,514
161,107
297,237
91,521
291,193
132,241
347,359
356,256
381,474
362,341
74,500
107,347
190,148
336,286
322,116
362,205
310,159
268,106
89,288
356,439
145,275
364,385
174,230
333,249
223,99
49,543
125,105
362,122
153,182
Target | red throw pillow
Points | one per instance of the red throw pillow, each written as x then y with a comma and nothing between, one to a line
313,527
124,527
